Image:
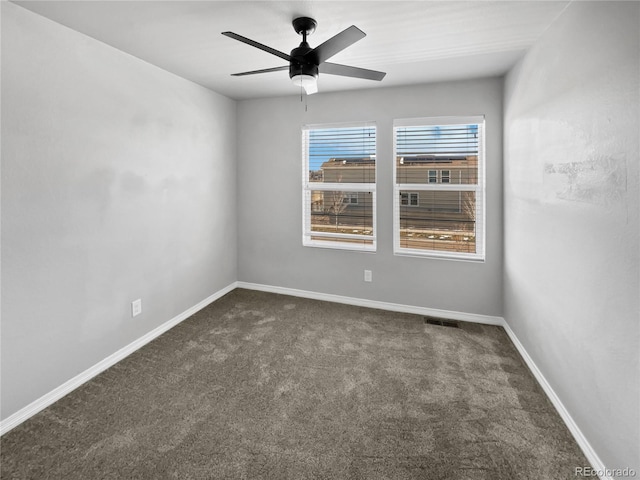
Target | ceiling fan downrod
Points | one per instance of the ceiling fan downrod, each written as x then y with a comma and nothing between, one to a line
301,64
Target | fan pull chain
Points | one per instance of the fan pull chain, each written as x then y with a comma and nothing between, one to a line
301,92
305,99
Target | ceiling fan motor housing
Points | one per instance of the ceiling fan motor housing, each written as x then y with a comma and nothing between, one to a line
300,65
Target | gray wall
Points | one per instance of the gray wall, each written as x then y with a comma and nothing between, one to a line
270,199
571,218
118,183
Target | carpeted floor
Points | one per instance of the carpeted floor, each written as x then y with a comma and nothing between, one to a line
265,386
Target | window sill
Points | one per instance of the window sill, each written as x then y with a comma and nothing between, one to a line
341,246
473,258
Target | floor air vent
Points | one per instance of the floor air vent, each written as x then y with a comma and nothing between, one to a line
441,322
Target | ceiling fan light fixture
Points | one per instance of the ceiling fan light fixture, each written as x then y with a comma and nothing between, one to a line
308,82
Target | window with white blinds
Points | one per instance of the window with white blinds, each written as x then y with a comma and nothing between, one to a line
339,186
439,187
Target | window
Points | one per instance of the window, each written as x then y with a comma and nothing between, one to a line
339,186
409,199
441,162
350,198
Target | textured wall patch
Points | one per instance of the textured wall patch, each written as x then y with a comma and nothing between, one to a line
599,180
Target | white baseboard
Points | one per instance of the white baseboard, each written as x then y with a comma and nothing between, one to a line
579,437
363,302
70,385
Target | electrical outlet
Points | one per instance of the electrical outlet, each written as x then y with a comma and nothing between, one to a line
136,307
368,276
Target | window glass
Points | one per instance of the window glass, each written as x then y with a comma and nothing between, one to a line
439,184
339,164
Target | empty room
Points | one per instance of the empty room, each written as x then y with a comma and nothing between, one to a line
320,239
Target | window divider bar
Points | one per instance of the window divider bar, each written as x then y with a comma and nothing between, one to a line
447,187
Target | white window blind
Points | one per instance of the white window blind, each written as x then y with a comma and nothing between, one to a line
339,186
441,159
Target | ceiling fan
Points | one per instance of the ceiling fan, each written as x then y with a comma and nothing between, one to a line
305,63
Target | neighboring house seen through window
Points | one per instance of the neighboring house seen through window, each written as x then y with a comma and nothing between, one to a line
339,186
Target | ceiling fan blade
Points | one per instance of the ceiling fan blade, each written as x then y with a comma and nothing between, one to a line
347,71
335,44
264,70
253,43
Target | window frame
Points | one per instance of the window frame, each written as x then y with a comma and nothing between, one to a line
479,189
348,188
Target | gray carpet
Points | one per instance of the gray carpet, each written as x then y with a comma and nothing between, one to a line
265,386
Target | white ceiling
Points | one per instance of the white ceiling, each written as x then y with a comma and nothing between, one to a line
414,41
